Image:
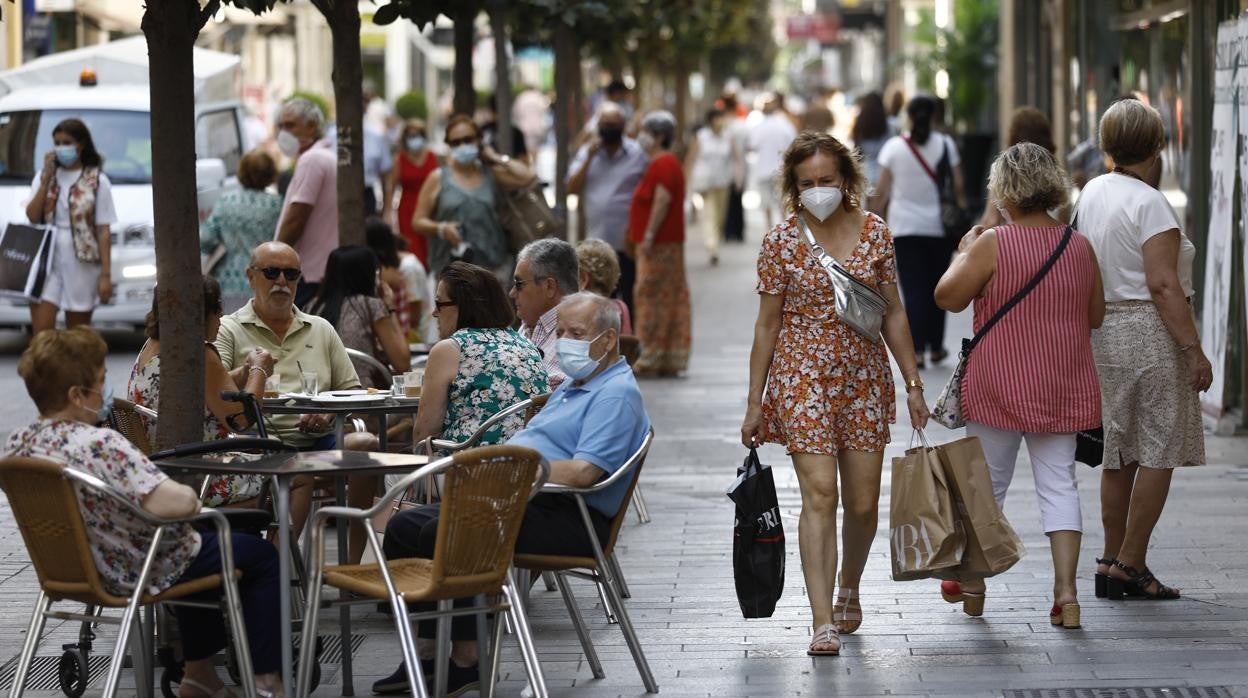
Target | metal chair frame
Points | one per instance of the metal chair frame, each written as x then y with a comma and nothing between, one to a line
130,621
607,573
372,362
510,604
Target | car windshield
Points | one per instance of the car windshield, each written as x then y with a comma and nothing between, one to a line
124,139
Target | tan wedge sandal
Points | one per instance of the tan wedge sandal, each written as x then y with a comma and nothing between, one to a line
1066,616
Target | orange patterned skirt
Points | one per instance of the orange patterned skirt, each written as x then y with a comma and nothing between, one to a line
663,316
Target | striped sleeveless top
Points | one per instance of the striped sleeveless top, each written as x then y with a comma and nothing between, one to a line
1034,371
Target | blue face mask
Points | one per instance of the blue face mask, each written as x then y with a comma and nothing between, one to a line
66,155
465,154
574,358
416,143
106,408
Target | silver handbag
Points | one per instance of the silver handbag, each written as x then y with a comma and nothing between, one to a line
857,304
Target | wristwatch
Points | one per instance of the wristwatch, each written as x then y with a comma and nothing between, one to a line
914,383
504,159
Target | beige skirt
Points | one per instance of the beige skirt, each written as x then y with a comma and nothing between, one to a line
1151,416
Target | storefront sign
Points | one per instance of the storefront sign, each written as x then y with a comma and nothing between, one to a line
1228,101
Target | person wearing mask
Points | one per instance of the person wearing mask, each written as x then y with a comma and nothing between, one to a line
656,229
871,130
74,196
907,187
309,220
821,388
456,209
712,166
1033,376
604,174
64,373
1149,358
1027,125
413,163
487,120
242,219
768,140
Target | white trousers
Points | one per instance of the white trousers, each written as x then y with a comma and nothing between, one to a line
1052,466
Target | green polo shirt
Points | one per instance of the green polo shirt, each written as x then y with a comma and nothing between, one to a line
310,342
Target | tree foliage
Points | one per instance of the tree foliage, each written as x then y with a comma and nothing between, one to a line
966,51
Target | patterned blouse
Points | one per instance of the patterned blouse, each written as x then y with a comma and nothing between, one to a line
497,368
144,390
118,538
241,220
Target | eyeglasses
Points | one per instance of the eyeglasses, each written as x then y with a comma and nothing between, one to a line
519,283
271,273
466,140
442,304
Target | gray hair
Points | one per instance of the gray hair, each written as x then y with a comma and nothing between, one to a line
1026,177
606,313
305,110
662,124
550,258
608,107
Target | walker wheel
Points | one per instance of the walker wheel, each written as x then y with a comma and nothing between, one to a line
72,673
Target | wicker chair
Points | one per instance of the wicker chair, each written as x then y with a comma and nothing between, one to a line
128,418
41,493
602,568
630,348
486,491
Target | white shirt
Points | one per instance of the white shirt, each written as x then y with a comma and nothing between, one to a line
105,214
714,168
913,200
769,139
1118,214
416,284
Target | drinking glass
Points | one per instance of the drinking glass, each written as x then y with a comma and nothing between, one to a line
413,381
273,386
309,382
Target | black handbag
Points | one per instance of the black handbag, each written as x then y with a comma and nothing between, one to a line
757,540
25,255
1090,447
953,218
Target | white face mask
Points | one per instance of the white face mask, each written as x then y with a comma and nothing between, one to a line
574,359
821,201
288,143
645,140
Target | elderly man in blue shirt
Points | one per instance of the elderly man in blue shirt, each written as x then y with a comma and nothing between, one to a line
588,429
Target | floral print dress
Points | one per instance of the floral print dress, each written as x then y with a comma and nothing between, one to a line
497,369
829,388
119,538
144,390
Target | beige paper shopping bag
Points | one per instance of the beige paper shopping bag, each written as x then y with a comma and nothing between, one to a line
992,546
923,533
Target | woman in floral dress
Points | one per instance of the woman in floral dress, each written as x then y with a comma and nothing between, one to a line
483,365
144,390
829,394
241,220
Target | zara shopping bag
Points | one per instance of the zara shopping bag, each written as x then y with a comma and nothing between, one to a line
992,546
923,533
25,253
757,539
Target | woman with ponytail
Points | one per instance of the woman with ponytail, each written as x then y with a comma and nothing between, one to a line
908,193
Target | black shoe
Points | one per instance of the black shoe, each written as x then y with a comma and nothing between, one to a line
397,682
459,680
938,356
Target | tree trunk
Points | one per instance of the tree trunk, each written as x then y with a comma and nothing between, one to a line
502,78
681,75
465,101
348,76
565,108
171,28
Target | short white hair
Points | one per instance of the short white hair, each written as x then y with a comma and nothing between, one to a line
606,314
305,110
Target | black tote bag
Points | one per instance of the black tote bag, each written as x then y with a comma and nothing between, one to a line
25,252
758,539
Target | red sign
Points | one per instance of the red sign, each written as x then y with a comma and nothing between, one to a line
821,28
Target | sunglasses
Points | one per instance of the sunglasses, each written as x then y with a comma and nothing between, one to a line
271,273
442,304
467,140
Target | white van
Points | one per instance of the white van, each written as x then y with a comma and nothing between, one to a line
119,117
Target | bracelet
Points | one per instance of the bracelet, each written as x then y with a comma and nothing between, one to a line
260,369
1188,347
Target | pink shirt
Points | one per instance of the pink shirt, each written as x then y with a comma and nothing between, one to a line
315,182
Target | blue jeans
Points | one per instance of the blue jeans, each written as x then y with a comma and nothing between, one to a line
203,629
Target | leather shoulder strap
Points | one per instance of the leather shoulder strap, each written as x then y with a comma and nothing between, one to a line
922,163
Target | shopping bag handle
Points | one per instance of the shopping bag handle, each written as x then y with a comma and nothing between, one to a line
922,439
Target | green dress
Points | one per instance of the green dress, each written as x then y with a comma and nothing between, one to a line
241,220
497,369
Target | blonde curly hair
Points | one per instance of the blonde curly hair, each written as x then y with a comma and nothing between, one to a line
599,264
1026,177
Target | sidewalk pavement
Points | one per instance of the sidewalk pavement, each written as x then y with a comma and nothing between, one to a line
911,643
